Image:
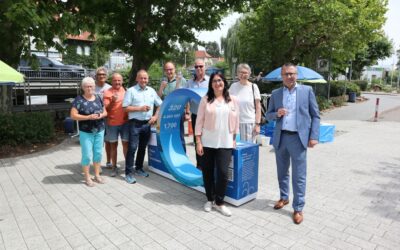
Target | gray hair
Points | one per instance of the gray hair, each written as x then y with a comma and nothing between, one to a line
243,66
104,69
87,80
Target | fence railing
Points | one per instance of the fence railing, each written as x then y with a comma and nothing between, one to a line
54,74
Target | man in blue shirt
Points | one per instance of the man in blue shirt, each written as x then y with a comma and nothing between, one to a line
139,102
296,112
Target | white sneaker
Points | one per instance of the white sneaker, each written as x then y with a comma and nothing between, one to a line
208,206
223,210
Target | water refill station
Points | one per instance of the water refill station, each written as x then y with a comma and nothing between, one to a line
168,158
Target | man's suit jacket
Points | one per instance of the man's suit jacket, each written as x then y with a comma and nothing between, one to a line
307,118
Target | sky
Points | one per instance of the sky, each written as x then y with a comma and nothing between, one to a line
391,29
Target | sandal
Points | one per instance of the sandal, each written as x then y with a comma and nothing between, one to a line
99,180
89,183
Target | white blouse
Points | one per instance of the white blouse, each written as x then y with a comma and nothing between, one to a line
220,136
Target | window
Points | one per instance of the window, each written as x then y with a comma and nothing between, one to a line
79,50
87,51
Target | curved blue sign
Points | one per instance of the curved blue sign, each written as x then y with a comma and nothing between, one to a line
168,137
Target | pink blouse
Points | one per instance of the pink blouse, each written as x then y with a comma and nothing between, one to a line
206,116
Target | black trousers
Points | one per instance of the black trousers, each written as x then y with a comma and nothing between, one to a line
216,159
198,157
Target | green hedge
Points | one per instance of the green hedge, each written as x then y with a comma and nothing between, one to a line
339,88
26,128
338,101
363,84
323,103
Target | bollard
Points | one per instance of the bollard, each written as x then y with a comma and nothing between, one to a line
376,110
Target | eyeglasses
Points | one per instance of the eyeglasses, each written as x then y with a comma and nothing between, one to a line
198,66
217,80
168,69
101,74
244,73
290,74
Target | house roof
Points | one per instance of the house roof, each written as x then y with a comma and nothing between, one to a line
84,36
201,54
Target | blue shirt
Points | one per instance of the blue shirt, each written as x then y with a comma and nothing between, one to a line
136,96
289,103
193,84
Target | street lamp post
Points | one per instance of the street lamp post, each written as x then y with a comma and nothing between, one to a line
234,60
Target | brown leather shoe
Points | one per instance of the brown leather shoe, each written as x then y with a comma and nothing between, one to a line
281,203
297,217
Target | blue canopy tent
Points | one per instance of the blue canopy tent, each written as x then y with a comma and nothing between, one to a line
304,74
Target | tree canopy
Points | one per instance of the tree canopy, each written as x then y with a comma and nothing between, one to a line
150,30
212,48
147,30
277,31
26,22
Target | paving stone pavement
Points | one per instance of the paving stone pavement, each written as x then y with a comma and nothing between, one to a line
352,202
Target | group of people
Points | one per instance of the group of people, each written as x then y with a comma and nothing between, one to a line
222,114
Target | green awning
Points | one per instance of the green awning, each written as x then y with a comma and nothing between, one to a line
9,75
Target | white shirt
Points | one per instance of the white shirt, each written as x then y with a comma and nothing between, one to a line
220,136
244,94
100,90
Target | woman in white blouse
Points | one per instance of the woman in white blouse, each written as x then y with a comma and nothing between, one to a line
217,124
248,96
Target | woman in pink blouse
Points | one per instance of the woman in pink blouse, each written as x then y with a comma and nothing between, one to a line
216,127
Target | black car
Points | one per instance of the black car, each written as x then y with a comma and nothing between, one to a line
44,67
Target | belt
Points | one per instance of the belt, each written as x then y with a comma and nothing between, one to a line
141,122
288,132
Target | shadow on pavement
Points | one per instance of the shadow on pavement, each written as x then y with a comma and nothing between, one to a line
74,178
385,196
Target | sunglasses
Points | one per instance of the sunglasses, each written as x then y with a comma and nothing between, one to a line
198,66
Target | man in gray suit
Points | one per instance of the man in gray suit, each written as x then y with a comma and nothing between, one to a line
296,112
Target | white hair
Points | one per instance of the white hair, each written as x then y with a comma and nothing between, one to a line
243,66
87,80
101,69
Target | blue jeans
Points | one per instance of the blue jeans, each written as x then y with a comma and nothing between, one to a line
91,147
139,135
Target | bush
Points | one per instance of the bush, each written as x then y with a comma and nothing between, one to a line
362,84
26,128
339,88
352,87
323,103
338,101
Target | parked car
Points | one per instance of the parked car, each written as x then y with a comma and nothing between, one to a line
49,68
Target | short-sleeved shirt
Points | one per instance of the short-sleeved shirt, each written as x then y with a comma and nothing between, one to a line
194,84
136,96
171,86
116,114
245,96
86,107
100,90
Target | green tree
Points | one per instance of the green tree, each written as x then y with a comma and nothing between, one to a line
26,22
183,54
148,30
303,31
212,48
375,50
